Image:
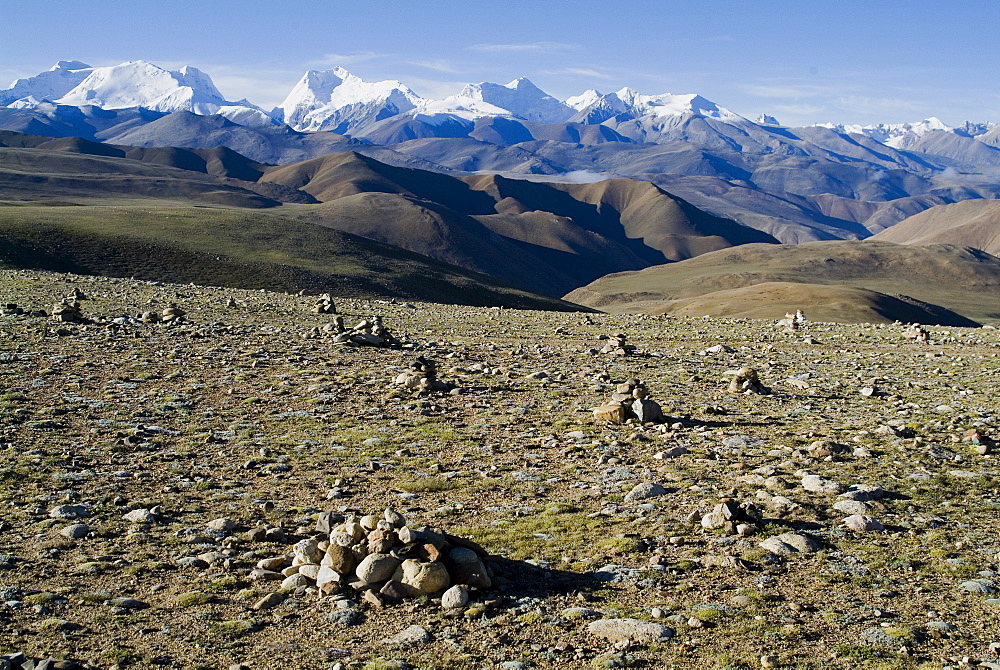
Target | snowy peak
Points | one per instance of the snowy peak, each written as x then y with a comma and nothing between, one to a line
54,83
520,99
627,103
338,100
895,135
142,84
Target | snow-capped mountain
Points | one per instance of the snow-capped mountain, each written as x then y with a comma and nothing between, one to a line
131,84
52,84
519,99
337,100
895,135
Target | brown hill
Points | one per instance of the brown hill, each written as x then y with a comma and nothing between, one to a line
547,238
971,223
939,277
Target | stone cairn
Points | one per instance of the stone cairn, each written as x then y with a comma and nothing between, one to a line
793,321
368,333
745,381
325,305
171,314
734,518
616,345
630,401
421,376
916,332
68,310
382,558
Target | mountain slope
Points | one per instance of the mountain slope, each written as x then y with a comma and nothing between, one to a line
973,223
960,279
226,247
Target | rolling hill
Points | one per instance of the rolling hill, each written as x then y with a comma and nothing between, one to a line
838,281
972,223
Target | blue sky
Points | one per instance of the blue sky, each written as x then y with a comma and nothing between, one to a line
803,61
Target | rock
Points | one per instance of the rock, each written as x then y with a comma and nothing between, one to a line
817,484
223,525
70,512
976,586
611,413
408,637
745,380
862,524
269,601
421,578
193,562
455,597
468,568
328,580
306,551
295,581
75,531
645,491
376,568
258,575
339,558
647,411
851,507
635,631
128,603
790,543
863,493
672,452
349,616
140,516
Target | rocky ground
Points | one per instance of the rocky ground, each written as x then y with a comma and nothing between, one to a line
158,479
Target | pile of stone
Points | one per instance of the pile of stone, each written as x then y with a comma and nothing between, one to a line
171,314
68,311
383,559
735,518
421,376
325,305
616,345
368,333
630,401
20,661
916,332
746,381
793,321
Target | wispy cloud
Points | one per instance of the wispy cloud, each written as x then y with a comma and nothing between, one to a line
766,91
580,71
529,46
331,60
438,64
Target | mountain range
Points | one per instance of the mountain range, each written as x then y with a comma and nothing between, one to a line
824,182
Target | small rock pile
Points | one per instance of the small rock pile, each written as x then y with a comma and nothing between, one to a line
916,332
171,314
20,661
735,518
383,559
421,376
325,305
616,345
793,321
630,401
368,333
746,381
68,310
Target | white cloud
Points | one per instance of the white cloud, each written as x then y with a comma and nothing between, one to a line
530,46
333,60
439,64
583,72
